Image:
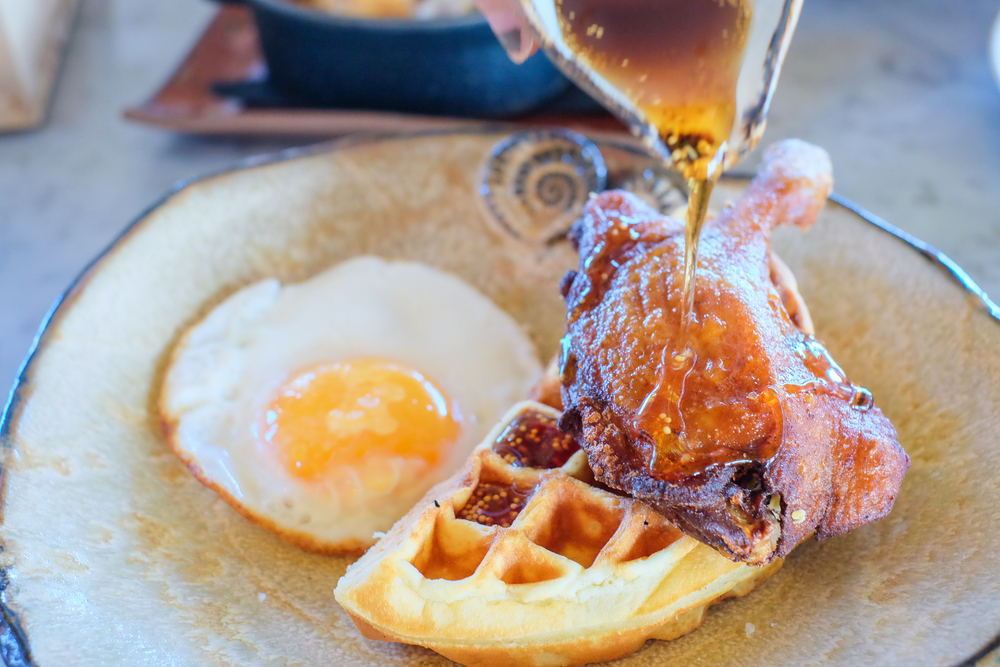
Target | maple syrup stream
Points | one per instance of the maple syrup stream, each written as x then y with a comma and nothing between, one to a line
678,61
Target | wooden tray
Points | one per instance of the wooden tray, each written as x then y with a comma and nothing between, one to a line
229,53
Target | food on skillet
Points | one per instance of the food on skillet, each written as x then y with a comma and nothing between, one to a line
418,9
743,431
323,410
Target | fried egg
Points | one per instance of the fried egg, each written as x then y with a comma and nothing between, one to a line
324,410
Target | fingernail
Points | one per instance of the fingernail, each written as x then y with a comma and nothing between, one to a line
511,41
517,45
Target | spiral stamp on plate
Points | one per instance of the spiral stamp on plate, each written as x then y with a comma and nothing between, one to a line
535,183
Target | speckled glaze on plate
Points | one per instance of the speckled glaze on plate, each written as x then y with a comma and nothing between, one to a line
114,554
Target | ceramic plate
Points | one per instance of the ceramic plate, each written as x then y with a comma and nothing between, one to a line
995,48
114,554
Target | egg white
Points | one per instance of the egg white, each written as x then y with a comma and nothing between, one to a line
226,368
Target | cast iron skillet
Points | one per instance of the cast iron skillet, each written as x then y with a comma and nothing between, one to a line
452,66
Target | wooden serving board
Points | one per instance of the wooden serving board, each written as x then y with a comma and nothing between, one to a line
33,35
229,53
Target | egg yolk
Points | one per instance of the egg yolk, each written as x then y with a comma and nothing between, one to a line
355,411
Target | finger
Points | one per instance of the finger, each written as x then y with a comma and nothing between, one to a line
509,24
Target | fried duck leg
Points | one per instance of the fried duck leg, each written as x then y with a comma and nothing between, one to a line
742,430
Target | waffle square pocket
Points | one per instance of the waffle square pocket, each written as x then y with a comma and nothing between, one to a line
521,558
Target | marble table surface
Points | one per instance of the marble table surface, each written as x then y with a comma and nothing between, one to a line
899,91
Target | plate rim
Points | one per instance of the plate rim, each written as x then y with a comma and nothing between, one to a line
15,648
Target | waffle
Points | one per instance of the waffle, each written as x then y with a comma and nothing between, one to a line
521,558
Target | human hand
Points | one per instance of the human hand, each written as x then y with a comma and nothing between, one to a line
509,24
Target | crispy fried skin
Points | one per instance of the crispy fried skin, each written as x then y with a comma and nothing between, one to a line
768,441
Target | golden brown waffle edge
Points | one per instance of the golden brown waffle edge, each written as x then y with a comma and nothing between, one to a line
579,575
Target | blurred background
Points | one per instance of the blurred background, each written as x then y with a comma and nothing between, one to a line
900,92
